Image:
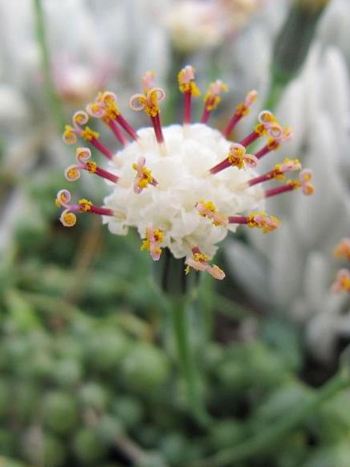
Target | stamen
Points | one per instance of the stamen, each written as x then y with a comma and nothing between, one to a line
83,155
72,132
342,282
199,262
154,238
289,186
87,206
277,173
143,177
237,157
241,110
149,103
68,217
342,250
212,98
105,107
304,182
208,209
274,143
259,220
188,86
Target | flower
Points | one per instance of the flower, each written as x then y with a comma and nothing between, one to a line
183,187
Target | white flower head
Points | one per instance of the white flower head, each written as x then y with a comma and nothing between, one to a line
183,187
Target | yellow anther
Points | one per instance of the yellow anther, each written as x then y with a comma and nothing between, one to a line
241,110
201,257
212,98
69,136
85,205
261,220
236,156
89,134
186,80
295,184
152,105
154,237
260,129
272,143
288,165
200,262
208,209
209,206
144,177
91,166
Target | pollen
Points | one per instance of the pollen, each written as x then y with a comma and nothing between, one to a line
91,166
200,262
154,238
144,176
186,80
89,134
288,165
208,209
212,98
262,221
238,157
85,205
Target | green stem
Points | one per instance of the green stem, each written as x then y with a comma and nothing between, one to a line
50,92
276,432
180,324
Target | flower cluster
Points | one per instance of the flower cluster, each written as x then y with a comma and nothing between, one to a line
183,187
342,281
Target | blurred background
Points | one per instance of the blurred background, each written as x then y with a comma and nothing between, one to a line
88,371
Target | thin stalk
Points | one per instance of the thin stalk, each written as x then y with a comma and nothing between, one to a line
180,324
276,432
53,99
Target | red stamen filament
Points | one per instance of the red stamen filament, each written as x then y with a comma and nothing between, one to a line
157,128
281,189
187,107
117,132
205,115
220,166
266,149
238,220
101,210
127,127
262,178
253,136
102,148
236,117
